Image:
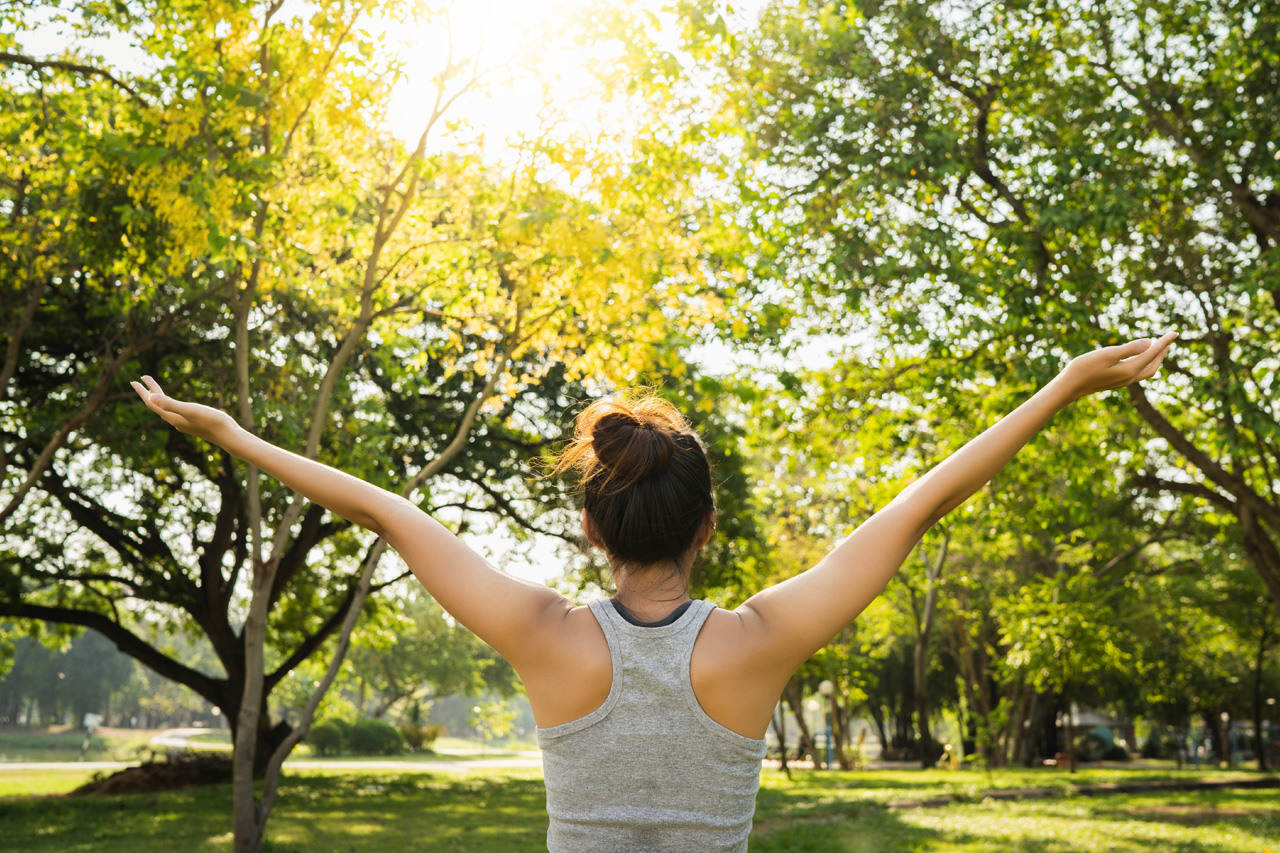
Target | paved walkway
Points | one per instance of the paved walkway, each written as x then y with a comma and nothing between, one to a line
63,765
182,739
411,766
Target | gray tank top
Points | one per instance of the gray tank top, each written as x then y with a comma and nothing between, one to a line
649,770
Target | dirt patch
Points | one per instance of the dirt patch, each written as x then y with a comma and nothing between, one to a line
1188,815
186,772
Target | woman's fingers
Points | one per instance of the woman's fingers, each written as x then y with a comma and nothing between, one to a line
1131,349
145,394
156,401
1149,362
153,385
1121,365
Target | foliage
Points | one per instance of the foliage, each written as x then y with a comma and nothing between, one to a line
957,197
63,686
492,720
420,738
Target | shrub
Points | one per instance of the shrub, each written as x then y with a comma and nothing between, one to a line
375,737
414,735
419,738
327,737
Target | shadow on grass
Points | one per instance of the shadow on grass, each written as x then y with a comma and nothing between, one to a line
379,813
806,819
177,820
871,830
411,812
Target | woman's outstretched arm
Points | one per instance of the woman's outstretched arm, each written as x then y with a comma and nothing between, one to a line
506,612
798,616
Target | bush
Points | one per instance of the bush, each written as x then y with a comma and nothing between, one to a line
375,737
1160,747
1117,753
327,737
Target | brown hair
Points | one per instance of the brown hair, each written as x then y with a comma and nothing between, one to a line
646,482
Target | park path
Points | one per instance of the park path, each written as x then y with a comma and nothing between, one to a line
182,739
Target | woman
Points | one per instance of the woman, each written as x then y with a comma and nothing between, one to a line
652,708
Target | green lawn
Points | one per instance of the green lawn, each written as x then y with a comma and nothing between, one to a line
64,744
502,810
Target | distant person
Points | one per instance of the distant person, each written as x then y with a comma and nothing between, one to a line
651,707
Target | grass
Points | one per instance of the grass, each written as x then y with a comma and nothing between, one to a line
25,783
848,813
503,810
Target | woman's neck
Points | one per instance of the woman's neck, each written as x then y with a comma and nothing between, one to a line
650,594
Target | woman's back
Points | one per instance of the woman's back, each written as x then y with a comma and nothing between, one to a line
649,769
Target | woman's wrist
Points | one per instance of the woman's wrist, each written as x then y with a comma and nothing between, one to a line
234,439
1063,389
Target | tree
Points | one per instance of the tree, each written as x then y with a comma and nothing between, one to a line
1019,180
236,220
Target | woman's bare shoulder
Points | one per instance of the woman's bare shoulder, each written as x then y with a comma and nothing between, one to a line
573,675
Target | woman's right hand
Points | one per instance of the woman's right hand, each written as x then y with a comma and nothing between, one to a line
191,418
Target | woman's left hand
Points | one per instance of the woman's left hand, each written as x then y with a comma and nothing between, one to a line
1116,367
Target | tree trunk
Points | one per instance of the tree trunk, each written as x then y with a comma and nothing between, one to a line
840,734
791,694
1213,723
933,571
877,719
1263,642
779,722
1071,731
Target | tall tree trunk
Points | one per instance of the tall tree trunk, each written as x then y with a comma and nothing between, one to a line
795,700
933,572
877,719
1264,643
905,712
1213,723
840,733
1071,732
779,723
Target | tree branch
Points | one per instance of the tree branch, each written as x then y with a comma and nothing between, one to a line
127,642
74,67
1224,479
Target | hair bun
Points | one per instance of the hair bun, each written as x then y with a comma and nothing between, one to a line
630,446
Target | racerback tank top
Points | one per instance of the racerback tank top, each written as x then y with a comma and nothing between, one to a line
649,770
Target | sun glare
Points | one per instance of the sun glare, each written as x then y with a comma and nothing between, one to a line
533,75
